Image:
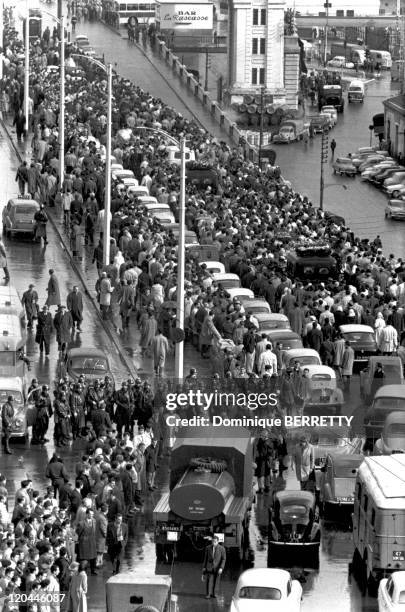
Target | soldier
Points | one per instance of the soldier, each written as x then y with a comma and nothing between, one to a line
7,415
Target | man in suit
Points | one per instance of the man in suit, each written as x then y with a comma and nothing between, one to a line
117,537
214,563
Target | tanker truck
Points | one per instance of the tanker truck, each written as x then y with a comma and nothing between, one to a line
210,491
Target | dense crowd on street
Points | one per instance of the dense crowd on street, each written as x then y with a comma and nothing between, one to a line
244,212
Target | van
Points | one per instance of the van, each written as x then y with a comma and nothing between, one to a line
388,398
379,518
381,57
13,338
140,589
356,91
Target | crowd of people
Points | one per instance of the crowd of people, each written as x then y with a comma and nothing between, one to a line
242,214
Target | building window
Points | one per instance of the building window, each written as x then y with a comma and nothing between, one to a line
350,13
254,76
262,46
340,13
262,16
255,46
261,76
255,16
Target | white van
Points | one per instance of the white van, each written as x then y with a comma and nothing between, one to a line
379,517
381,57
356,91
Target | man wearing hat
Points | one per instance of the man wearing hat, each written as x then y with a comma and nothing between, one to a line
7,415
44,330
63,323
30,302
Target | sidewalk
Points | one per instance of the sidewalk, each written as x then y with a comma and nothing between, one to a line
127,342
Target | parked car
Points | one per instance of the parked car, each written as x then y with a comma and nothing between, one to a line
92,363
393,375
372,161
239,292
227,280
339,61
189,236
395,209
286,337
255,306
214,266
324,394
361,339
379,178
266,590
272,321
344,165
397,177
396,191
373,171
305,357
294,532
331,110
23,415
391,593
338,483
392,439
319,124
389,398
18,216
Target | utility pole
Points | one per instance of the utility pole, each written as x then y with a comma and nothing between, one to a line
324,160
261,126
62,104
327,6
107,194
27,67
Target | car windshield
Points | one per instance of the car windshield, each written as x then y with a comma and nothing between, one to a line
256,309
229,284
305,360
25,209
398,204
293,512
395,430
359,336
273,325
260,592
16,395
385,404
89,363
392,370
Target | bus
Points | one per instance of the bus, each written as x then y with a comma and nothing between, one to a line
381,57
141,14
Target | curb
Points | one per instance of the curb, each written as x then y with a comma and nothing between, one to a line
108,328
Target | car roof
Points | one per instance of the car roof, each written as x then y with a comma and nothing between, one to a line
397,416
24,201
298,352
345,159
256,301
374,359
283,333
86,352
320,369
225,276
301,497
263,577
354,327
11,383
270,316
390,391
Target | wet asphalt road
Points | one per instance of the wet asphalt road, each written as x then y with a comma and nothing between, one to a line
329,588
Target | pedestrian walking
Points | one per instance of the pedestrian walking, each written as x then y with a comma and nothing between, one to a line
30,302
333,147
44,330
41,219
53,298
22,177
7,415
20,124
117,537
304,460
101,534
56,472
105,290
213,566
160,347
86,532
77,595
74,303
347,364
63,324
3,262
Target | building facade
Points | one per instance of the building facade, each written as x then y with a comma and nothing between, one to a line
394,125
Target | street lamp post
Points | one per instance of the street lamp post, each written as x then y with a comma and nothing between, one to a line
261,125
324,159
107,191
27,66
327,5
62,104
181,253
